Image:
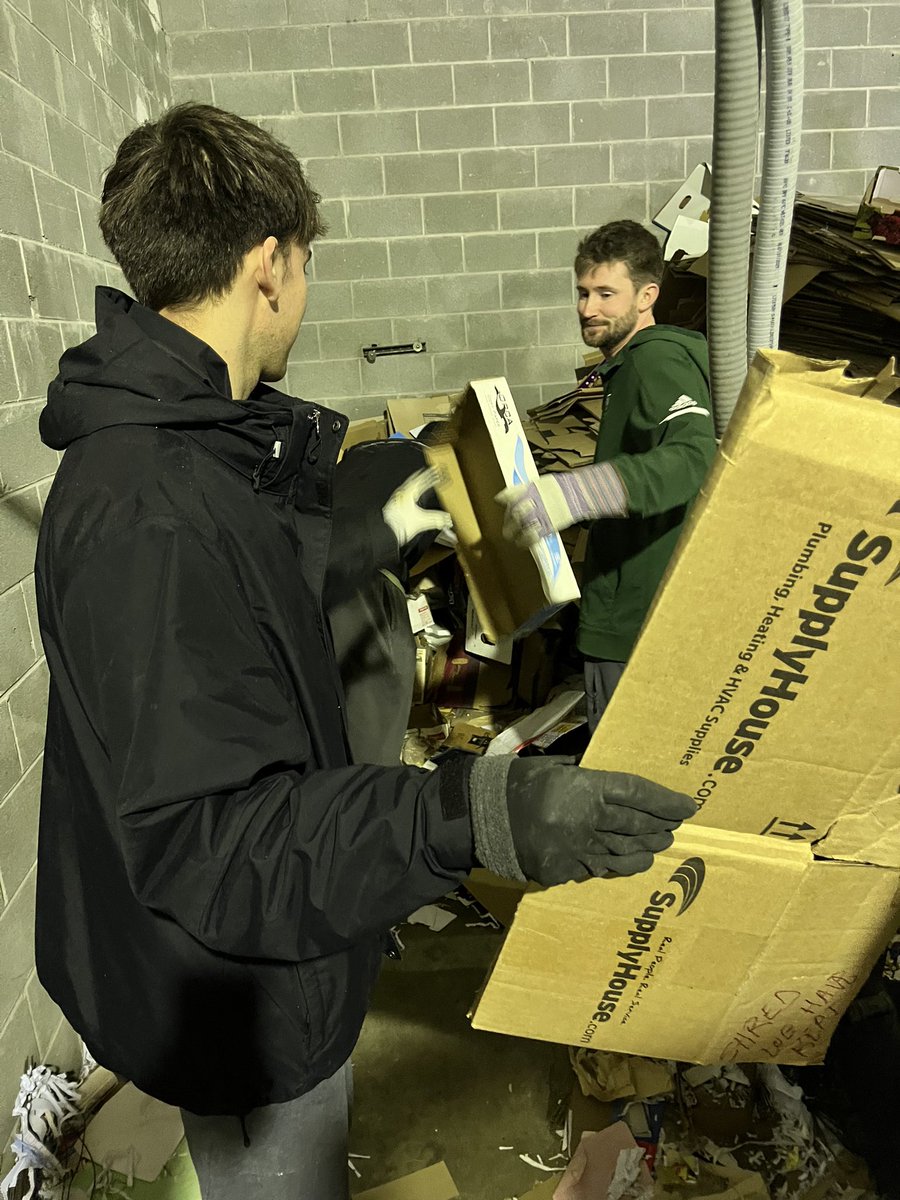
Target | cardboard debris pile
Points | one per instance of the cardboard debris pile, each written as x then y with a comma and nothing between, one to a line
489,617
763,675
726,1132
486,614
467,701
744,1133
562,433
842,287
851,308
404,416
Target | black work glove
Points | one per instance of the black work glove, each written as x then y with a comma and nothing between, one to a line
546,820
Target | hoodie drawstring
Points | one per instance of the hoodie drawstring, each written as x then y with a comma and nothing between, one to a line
259,469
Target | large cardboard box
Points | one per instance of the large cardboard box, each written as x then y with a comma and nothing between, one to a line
766,684
514,590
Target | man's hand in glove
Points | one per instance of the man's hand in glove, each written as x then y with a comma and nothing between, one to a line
404,513
544,820
554,502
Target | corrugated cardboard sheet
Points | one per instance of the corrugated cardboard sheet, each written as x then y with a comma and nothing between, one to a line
408,413
432,1183
514,590
766,684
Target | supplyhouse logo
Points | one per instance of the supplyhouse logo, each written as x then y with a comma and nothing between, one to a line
637,956
689,877
895,508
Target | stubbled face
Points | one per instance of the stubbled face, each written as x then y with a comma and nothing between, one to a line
608,306
286,316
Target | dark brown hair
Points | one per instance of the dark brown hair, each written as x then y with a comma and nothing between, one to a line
622,241
190,194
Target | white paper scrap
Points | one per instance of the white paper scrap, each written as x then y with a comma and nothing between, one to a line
432,916
522,732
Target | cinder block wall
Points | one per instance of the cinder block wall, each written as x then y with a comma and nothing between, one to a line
74,76
463,145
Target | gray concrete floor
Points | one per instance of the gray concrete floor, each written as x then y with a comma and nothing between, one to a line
429,1087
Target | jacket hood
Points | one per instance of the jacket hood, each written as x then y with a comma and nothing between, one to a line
141,369
694,344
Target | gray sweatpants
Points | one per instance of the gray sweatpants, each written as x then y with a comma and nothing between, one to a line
297,1150
600,679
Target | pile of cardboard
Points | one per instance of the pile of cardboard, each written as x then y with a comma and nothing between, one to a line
850,307
642,1129
842,285
562,433
471,692
732,1132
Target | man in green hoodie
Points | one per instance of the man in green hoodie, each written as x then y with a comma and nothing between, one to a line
655,445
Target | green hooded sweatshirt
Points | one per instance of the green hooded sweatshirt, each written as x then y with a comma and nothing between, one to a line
657,431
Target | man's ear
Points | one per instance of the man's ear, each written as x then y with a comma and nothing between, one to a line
648,297
269,272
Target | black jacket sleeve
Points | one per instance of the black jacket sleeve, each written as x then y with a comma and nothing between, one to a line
223,824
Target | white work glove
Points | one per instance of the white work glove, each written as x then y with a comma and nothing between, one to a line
554,502
404,514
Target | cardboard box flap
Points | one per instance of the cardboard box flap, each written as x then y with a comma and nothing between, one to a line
541,1191
872,836
637,965
885,383
789,572
837,922
495,613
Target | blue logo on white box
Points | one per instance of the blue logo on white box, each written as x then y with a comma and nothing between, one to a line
549,549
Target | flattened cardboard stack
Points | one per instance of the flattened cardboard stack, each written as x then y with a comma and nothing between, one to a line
765,683
842,294
851,306
562,433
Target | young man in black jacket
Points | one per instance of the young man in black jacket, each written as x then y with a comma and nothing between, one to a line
216,875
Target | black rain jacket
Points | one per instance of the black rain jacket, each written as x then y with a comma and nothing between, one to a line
215,878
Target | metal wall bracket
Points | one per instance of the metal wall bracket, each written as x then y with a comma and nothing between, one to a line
370,353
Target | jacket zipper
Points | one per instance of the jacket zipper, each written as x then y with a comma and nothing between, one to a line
312,452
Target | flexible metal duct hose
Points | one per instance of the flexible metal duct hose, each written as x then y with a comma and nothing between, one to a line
735,120
783,25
